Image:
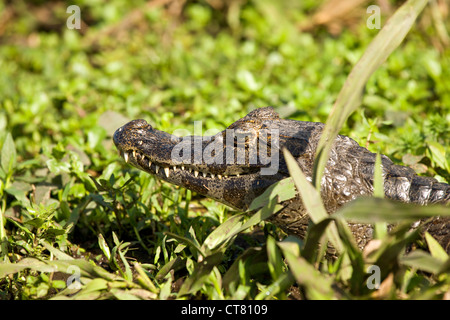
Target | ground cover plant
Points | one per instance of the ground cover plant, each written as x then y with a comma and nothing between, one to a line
76,222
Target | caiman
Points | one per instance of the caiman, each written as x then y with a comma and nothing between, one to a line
238,164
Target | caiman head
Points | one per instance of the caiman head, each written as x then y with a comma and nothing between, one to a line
234,166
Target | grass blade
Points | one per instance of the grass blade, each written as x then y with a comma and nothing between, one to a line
423,261
230,228
380,228
187,241
349,98
143,279
312,200
436,249
316,285
284,189
373,210
275,261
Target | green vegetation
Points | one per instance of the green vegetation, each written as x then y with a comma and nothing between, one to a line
71,209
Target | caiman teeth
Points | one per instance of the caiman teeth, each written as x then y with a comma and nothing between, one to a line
167,170
197,173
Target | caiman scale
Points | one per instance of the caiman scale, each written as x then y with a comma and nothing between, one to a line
235,178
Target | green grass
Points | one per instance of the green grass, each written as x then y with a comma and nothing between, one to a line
71,209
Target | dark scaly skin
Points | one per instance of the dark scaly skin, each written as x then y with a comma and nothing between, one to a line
348,174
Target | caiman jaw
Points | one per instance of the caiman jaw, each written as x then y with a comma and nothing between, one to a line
151,150
165,170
